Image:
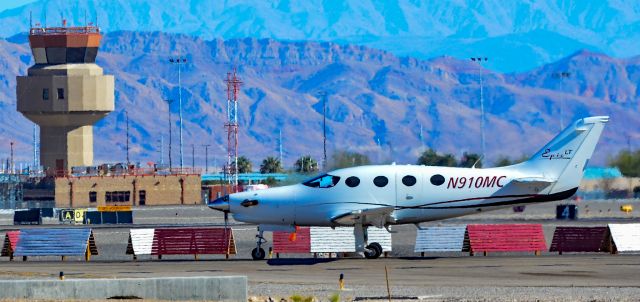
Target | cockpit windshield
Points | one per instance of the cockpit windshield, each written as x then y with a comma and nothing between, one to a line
322,181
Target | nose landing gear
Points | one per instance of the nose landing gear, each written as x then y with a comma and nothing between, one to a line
258,253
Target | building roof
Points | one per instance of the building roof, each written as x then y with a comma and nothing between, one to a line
602,173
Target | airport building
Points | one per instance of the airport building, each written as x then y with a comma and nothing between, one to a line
133,188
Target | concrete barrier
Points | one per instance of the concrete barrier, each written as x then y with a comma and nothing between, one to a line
233,288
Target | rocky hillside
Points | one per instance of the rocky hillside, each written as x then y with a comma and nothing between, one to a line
386,106
516,35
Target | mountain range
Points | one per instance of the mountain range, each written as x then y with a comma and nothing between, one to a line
388,107
516,36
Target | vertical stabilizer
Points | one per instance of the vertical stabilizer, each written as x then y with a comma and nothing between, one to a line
566,156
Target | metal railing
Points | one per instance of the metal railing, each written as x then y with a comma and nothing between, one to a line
113,172
44,31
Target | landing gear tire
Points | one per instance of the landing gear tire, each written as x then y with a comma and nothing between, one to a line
373,251
258,253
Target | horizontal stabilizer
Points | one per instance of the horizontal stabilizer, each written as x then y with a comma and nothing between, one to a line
374,216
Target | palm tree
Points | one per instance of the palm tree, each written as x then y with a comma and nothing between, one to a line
271,165
244,165
306,164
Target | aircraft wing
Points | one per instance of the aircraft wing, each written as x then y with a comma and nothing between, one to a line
373,216
534,181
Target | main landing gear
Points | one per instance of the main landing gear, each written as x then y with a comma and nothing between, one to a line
258,253
372,250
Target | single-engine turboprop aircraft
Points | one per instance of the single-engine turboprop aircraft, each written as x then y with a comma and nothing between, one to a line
407,194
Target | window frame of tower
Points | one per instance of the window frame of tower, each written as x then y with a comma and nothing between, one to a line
60,93
45,94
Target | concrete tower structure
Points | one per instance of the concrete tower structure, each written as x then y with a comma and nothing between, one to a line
65,93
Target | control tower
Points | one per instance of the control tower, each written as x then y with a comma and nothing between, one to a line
65,93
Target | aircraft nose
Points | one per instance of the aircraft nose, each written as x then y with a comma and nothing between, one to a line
220,204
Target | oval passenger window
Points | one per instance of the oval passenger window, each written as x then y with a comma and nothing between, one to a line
409,180
437,180
352,181
380,181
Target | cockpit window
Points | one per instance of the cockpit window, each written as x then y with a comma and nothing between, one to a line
323,181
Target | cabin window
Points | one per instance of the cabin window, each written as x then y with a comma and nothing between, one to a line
60,94
409,181
322,181
437,180
352,181
380,181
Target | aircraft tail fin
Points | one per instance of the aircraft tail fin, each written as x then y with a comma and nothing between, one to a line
565,157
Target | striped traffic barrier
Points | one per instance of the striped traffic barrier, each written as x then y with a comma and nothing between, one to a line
56,242
440,239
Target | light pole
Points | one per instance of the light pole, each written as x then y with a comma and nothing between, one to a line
179,60
161,150
126,115
206,158
324,128
12,168
169,119
193,156
562,75
35,149
482,119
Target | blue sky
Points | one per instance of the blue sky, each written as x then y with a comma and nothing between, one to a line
8,4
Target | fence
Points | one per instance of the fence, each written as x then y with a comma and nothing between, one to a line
580,240
326,240
505,238
193,241
626,237
56,242
10,241
440,239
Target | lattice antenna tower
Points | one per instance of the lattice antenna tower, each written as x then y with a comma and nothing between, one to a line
233,88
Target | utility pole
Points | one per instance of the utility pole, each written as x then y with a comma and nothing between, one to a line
482,119
126,115
169,119
206,158
562,76
180,60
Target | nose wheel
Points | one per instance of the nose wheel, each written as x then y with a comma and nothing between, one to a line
258,253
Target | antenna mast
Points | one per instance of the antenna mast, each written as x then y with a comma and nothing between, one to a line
233,88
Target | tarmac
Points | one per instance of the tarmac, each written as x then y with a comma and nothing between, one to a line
437,277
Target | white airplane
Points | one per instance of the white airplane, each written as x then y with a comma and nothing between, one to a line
397,194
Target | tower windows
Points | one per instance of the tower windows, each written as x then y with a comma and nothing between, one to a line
60,93
45,94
